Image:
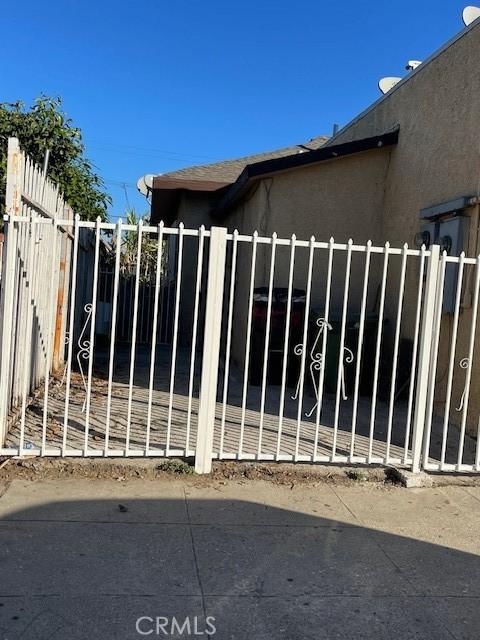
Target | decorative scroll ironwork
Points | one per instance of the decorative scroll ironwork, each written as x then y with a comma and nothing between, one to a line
316,363
67,341
463,364
84,349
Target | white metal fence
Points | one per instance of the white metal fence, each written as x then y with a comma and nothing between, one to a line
278,349
146,302
34,283
452,427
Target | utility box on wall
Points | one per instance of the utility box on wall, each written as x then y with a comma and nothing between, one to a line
452,239
451,233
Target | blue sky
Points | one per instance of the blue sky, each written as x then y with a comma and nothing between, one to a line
158,85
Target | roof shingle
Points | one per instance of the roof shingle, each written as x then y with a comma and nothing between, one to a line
227,171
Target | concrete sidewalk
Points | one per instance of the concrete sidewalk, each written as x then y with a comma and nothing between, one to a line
86,559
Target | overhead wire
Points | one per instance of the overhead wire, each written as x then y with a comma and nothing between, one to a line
145,151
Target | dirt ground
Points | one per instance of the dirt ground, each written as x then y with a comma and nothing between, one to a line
282,474
174,418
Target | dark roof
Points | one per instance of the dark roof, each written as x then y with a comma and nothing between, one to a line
217,180
226,171
265,168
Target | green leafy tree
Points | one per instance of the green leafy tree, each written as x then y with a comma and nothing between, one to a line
45,126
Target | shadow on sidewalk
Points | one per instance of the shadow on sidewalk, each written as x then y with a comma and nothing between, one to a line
91,569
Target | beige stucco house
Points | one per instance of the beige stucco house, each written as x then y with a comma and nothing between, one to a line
408,164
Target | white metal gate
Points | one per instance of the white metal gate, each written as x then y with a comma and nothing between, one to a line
452,425
279,349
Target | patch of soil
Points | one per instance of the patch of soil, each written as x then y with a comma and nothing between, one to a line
34,468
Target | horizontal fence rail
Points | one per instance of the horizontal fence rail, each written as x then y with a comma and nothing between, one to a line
34,283
309,393
324,351
321,346
133,396
141,340
453,425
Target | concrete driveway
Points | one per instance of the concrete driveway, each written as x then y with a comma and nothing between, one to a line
110,560
75,436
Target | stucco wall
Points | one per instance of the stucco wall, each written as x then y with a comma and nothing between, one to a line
437,159
378,195
437,156
343,198
340,198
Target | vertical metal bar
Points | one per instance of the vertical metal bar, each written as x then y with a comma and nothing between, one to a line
28,272
304,344
12,207
477,454
340,371
142,312
286,341
22,304
28,331
92,332
36,296
158,274
414,353
326,318
211,350
17,324
151,293
198,285
175,336
113,329
267,343
229,339
73,291
134,335
162,306
471,347
130,298
124,288
433,359
361,332
247,345
41,268
169,295
66,285
401,290
50,319
451,364
377,352
43,244
424,355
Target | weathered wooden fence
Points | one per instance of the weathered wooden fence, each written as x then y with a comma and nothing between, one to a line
34,281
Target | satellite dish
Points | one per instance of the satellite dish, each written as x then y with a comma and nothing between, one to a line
145,184
470,14
412,64
385,84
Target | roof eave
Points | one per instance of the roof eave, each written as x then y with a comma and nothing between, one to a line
266,168
168,184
